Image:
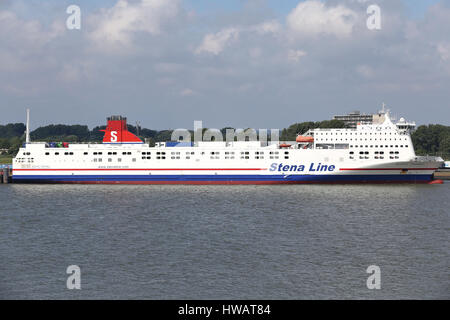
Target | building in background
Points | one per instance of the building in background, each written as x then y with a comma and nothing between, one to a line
354,117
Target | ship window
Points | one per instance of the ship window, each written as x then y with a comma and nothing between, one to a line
109,153
134,159
85,153
56,153
109,160
71,153
149,158
99,159
119,160
47,153
95,153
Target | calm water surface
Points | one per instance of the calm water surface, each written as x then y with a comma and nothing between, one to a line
224,242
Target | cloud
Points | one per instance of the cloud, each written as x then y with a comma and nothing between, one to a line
187,92
318,57
117,25
215,42
444,51
265,27
28,34
365,71
313,18
295,55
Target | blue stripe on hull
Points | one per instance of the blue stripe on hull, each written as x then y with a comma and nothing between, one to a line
223,178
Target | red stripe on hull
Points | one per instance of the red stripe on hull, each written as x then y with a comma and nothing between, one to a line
382,169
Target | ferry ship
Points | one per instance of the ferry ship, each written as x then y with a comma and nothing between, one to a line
377,152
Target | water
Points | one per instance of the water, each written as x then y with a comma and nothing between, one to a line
224,242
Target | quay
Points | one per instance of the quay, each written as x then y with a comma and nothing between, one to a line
5,173
442,174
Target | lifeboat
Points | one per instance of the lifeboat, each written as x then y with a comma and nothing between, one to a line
285,145
304,139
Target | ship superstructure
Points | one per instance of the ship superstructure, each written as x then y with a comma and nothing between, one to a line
377,152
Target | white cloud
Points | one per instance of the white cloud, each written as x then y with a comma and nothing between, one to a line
272,26
365,71
118,24
187,92
29,34
215,42
295,55
312,18
444,51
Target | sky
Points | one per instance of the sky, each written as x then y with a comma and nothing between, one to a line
238,63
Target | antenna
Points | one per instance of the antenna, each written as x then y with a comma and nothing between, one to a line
137,128
27,135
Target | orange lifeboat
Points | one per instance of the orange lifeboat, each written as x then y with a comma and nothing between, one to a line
285,145
304,139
